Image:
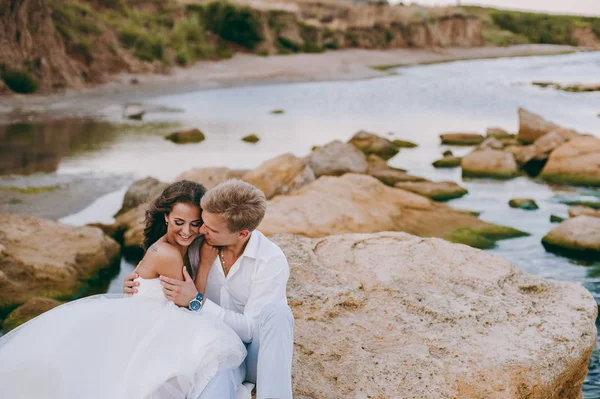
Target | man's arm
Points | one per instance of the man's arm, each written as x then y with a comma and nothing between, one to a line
268,286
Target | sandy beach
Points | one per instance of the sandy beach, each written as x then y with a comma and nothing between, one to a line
247,69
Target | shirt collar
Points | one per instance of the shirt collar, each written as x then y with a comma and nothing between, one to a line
251,249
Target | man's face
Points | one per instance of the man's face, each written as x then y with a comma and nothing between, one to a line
216,232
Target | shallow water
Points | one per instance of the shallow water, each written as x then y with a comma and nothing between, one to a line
417,104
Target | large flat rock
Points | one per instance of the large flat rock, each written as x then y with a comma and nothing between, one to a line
391,315
361,204
43,258
575,162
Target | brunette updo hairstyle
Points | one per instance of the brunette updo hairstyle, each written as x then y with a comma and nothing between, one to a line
184,191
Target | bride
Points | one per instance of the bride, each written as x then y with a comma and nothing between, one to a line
116,346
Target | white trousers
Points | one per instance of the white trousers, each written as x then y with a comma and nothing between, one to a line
268,363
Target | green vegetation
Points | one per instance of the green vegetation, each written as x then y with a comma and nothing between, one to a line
30,190
310,35
483,237
238,24
286,46
19,81
504,27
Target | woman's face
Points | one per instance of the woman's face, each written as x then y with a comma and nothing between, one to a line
183,223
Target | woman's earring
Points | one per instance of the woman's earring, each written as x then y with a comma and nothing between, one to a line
166,223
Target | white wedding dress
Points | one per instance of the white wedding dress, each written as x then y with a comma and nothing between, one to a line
116,346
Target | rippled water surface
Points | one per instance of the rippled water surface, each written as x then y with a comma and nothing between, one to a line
417,103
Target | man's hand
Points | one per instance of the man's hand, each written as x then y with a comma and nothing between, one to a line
179,292
208,254
129,285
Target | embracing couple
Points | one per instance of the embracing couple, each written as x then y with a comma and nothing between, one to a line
206,311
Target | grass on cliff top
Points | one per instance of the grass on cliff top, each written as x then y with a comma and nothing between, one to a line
168,32
505,27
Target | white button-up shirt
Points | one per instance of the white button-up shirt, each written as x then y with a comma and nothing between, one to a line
258,277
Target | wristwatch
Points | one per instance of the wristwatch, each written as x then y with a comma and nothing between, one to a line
196,303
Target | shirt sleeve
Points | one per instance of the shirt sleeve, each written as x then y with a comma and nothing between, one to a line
268,286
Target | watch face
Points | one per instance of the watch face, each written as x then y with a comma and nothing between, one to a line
195,305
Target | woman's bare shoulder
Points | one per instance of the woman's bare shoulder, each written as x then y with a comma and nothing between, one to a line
163,259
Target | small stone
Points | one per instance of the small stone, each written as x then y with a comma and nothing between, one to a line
447,162
277,111
556,219
186,136
523,203
136,116
461,138
404,144
447,153
252,138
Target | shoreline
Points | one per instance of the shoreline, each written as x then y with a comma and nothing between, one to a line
247,70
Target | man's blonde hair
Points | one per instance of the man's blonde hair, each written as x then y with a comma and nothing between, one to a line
242,205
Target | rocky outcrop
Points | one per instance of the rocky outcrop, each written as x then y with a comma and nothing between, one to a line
461,138
498,133
533,126
585,37
379,169
489,163
337,158
576,162
211,177
580,210
43,258
370,143
280,175
30,309
491,143
533,157
437,191
448,161
390,315
457,30
578,237
361,204
141,192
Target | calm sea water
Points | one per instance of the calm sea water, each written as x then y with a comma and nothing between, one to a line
417,103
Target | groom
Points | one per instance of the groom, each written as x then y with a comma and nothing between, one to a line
245,288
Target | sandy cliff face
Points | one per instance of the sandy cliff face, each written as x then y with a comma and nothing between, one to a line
28,38
586,37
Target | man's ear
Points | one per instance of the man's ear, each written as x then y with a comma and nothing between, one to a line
243,234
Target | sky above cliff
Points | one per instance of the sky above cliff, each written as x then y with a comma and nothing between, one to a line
586,7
